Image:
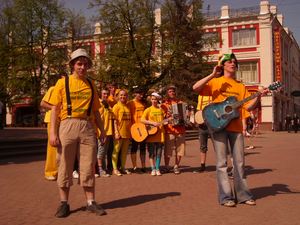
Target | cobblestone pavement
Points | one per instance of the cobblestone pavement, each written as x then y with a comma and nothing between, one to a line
272,170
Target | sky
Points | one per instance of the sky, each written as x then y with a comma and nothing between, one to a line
289,8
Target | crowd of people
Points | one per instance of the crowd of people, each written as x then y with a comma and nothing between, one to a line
98,132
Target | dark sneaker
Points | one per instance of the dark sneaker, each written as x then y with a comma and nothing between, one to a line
143,170
63,210
125,172
199,170
166,169
94,208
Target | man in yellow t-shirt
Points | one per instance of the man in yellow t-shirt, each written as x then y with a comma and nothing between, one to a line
154,116
122,124
112,98
76,101
220,84
51,156
137,107
105,150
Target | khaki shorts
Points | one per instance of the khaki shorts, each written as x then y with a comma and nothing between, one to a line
77,139
175,142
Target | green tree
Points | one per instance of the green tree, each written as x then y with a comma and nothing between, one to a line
183,40
147,52
5,50
34,29
129,51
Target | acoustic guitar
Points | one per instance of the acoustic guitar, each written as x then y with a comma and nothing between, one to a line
218,115
140,131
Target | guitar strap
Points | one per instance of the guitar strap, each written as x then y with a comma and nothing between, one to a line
69,103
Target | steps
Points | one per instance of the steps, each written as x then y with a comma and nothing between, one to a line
21,145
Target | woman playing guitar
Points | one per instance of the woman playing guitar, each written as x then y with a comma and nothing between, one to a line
220,84
154,116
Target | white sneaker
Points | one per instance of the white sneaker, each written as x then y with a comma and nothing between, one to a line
153,172
75,174
158,173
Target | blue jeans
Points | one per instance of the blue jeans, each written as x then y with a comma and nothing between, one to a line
155,151
236,141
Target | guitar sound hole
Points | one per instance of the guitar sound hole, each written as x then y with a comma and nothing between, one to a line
228,109
224,117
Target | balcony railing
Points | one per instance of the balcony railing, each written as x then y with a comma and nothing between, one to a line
244,12
212,15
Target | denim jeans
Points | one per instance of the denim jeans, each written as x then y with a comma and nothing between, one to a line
236,142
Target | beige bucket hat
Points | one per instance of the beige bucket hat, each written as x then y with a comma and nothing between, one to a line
80,52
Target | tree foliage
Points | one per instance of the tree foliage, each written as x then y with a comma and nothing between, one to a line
31,29
147,52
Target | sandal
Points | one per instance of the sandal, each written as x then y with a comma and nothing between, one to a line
229,203
250,202
117,173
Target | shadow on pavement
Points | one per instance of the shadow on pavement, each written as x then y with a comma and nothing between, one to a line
136,200
22,159
249,170
275,189
189,169
251,153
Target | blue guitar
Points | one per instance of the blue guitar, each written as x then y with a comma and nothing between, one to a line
218,115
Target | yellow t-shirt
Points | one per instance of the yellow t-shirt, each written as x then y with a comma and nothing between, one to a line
46,98
203,101
107,117
80,93
220,88
136,108
156,115
122,116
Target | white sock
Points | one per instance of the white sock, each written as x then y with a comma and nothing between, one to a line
89,202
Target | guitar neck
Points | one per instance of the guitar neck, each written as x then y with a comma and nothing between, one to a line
239,103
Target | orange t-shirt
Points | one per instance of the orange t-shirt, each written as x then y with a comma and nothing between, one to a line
111,101
220,88
171,129
136,108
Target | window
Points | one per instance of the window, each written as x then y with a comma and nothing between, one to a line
247,72
211,40
244,37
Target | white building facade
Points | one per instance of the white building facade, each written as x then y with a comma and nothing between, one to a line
265,48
